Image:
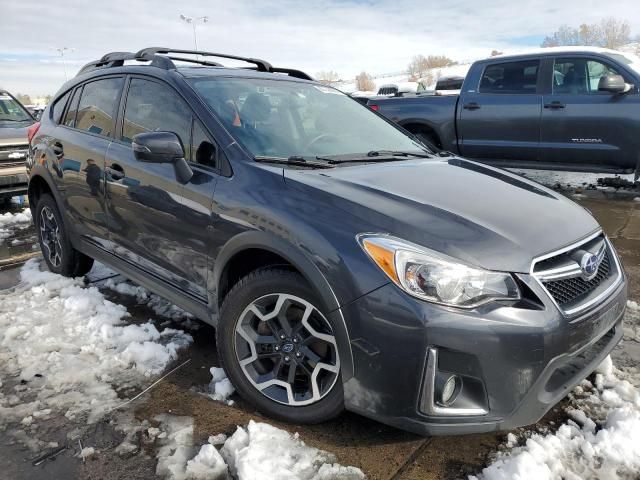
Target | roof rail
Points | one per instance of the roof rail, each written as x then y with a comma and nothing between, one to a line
161,57
262,65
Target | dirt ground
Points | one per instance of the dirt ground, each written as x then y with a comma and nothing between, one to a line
381,452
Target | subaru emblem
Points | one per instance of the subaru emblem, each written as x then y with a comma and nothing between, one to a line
589,265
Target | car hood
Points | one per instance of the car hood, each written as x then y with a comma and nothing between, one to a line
481,215
13,135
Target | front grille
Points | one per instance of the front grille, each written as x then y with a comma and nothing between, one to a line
562,277
571,290
8,155
11,148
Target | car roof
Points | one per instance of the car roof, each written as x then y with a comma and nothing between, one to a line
554,51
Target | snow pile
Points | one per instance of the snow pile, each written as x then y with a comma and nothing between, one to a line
220,388
260,448
9,222
257,451
64,348
601,441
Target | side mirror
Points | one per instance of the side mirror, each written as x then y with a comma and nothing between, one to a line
157,147
613,84
162,147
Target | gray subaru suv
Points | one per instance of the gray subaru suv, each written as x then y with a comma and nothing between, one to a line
342,263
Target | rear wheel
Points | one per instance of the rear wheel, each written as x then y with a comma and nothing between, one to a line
58,253
279,348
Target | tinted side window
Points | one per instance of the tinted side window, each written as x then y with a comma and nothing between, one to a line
579,76
204,151
70,117
58,108
512,77
98,106
154,107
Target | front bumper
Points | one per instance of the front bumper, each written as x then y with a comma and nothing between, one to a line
13,181
527,359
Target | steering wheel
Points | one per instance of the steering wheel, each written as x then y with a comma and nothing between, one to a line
319,138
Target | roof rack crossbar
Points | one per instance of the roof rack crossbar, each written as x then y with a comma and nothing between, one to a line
193,60
262,65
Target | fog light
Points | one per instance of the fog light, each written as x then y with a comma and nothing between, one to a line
449,389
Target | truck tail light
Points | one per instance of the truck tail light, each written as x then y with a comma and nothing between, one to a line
374,107
32,130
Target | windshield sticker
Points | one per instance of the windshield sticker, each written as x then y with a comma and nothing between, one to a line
327,90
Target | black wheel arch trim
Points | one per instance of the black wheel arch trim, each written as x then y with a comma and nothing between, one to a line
308,269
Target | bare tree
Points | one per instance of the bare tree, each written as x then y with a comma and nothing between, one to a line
609,33
365,83
328,77
420,65
614,33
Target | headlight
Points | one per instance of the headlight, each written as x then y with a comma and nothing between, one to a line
436,277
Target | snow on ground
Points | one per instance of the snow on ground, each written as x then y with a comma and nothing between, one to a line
568,179
66,349
220,388
12,221
258,451
600,441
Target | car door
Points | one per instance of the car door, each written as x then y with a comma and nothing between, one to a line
500,118
79,146
581,125
151,225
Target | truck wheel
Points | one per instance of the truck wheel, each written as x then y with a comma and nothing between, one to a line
429,140
278,347
56,247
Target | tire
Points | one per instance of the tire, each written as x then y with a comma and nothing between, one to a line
58,253
264,289
429,140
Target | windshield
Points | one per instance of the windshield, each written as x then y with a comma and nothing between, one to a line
280,118
11,111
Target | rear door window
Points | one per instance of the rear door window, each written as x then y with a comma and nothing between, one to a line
511,78
98,106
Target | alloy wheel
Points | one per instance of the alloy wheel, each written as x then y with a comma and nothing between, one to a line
50,236
287,350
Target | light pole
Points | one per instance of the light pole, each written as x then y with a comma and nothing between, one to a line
192,21
61,50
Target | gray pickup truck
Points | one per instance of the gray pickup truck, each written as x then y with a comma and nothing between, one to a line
564,108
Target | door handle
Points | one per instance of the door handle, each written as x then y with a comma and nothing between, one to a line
115,172
57,149
554,105
471,106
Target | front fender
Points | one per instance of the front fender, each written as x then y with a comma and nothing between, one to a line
268,241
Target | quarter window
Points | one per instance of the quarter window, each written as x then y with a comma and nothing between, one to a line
98,106
579,76
58,108
204,151
154,107
511,78
70,116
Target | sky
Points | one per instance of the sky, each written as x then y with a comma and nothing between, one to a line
347,36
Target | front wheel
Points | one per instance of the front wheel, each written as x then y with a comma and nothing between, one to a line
279,348
58,253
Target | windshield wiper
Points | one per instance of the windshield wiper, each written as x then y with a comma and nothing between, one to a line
293,160
375,156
